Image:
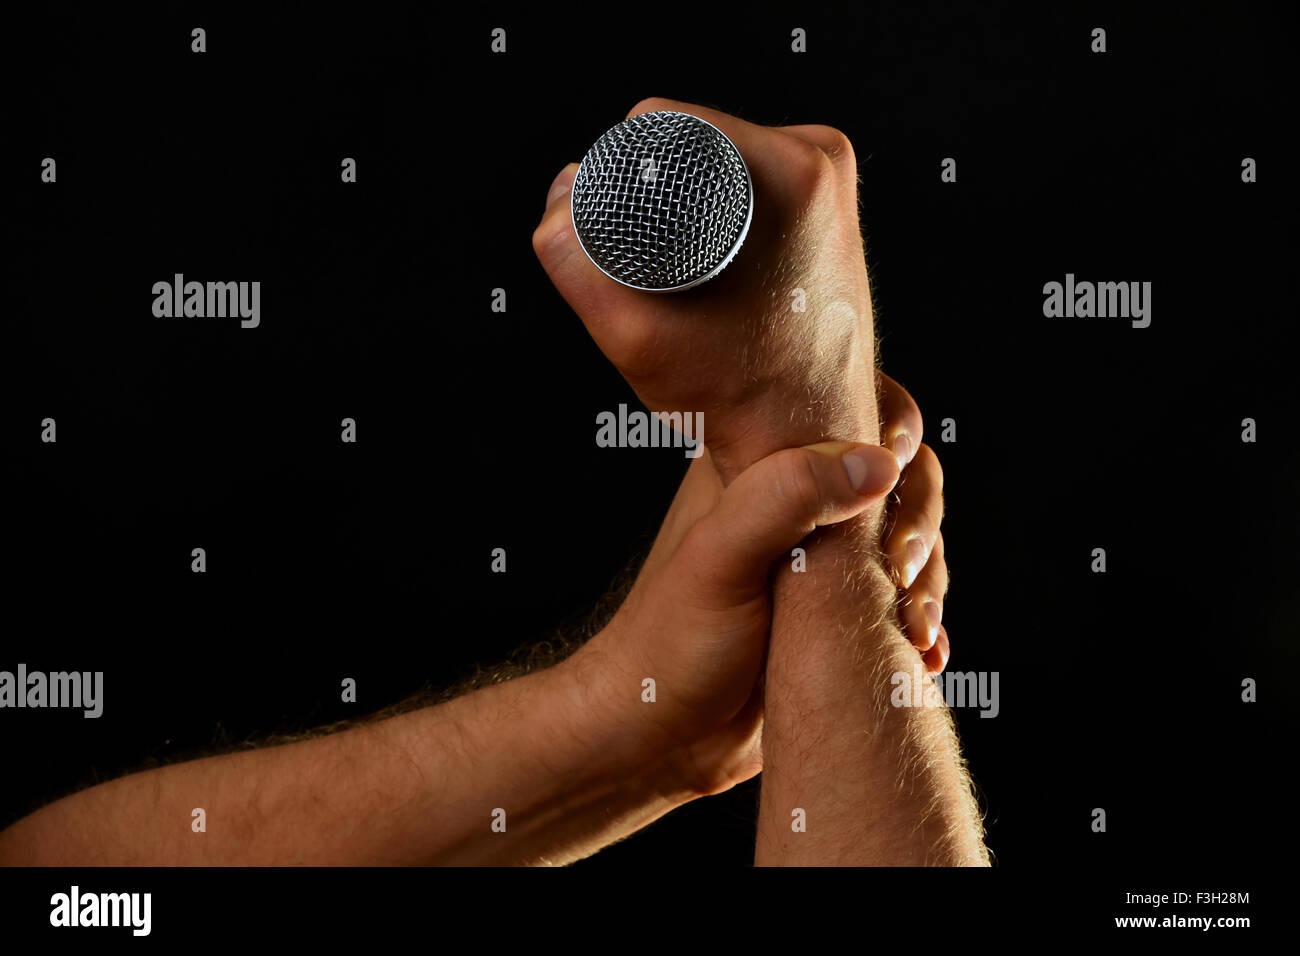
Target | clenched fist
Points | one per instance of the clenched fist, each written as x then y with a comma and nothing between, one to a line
777,351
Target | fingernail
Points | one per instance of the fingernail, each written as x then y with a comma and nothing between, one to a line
902,450
561,185
933,618
869,471
915,560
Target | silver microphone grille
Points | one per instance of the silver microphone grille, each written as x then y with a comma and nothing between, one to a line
662,201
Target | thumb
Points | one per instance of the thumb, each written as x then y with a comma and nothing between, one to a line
776,502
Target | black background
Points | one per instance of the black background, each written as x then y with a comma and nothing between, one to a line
476,429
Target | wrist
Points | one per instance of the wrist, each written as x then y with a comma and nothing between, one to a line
845,412
841,612
540,747
602,697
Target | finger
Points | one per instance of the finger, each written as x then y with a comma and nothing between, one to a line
936,658
771,154
835,145
917,517
922,612
901,426
698,494
771,506
784,170
560,187
589,292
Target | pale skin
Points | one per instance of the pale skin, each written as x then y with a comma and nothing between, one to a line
875,784
573,754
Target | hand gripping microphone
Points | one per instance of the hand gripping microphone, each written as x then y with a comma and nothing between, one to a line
662,202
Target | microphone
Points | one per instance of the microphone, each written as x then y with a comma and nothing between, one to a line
662,202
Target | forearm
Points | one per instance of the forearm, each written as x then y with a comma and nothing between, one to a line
420,788
877,784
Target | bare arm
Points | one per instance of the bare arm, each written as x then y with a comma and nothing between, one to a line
417,788
876,784
879,786
414,789
545,768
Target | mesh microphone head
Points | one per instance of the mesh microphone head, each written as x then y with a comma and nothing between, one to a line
662,202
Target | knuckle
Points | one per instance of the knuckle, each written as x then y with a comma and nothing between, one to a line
551,233
799,482
929,462
652,104
809,170
920,524
911,414
940,567
929,517
540,236
929,520
836,144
